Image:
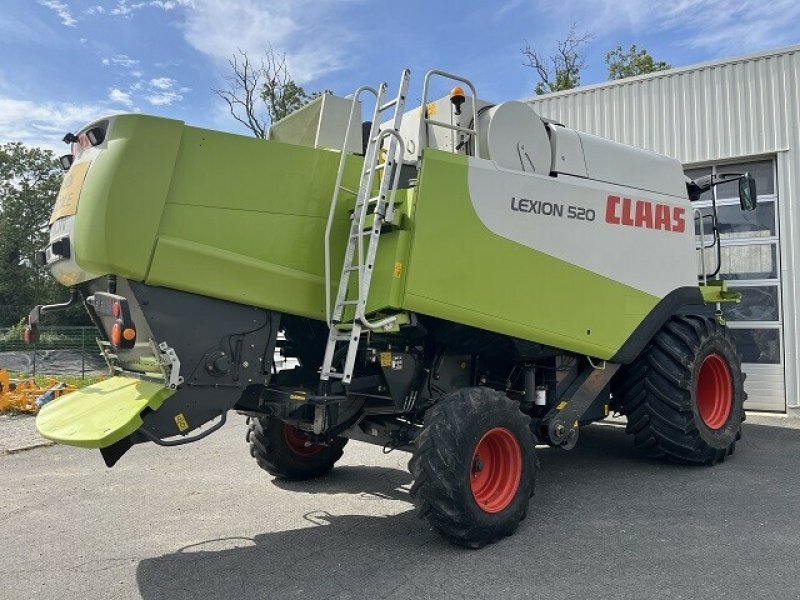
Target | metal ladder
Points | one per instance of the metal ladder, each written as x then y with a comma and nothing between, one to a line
356,260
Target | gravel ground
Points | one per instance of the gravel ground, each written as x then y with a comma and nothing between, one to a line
202,521
18,433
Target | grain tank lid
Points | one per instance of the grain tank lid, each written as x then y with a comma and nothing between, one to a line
621,164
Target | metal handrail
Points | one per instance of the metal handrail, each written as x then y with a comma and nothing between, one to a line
339,175
424,121
391,157
699,216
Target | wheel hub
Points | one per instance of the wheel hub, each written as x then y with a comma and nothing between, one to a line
496,470
714,391
298,441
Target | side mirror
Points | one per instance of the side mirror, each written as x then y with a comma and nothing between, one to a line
747,192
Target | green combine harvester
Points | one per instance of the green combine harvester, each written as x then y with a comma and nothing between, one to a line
462,280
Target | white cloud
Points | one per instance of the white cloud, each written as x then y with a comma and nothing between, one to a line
62,10
164,91
304,30
164,99
121,60
43,124
735,27
163,83
121,9
170,4
719,27
117,96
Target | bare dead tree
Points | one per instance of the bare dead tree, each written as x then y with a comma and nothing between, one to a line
259,94
243,91
562,70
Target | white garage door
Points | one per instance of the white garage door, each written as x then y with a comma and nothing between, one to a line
750,262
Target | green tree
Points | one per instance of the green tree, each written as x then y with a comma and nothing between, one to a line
561,70
29,182
622,64
261,93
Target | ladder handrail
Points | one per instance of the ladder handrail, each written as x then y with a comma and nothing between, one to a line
424,121
355,258
339,175
391,158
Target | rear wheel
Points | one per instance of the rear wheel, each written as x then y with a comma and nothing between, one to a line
287,452
684,396
474,467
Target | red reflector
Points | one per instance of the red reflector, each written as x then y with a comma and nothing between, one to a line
116,310
116,335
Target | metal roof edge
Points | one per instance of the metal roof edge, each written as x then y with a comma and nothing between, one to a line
668,73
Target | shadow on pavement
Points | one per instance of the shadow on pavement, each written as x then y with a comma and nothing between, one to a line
379,482
605,523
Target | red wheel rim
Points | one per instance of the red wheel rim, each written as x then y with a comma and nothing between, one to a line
714,391
496,470
297,441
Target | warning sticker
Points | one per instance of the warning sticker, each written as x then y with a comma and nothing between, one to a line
181,422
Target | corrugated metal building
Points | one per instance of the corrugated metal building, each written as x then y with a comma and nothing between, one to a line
732,115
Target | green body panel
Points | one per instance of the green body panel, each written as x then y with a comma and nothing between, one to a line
101,414
243,219
460,271
123,196
213,213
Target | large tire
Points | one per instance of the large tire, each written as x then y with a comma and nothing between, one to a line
684,395
281,450
474,467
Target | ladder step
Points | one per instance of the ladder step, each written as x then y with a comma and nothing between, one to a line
372,211
379,167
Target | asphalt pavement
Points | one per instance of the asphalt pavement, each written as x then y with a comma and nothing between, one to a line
202,521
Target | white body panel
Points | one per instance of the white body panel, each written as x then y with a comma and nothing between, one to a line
613,162
321,123
439,138
535,211
514,137
567,151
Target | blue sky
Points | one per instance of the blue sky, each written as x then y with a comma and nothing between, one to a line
66,62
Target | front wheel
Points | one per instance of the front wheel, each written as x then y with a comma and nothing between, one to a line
287,452
684,396
474,467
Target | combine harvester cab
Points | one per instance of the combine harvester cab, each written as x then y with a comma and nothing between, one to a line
457,280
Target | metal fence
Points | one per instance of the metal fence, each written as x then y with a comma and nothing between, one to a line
64,350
